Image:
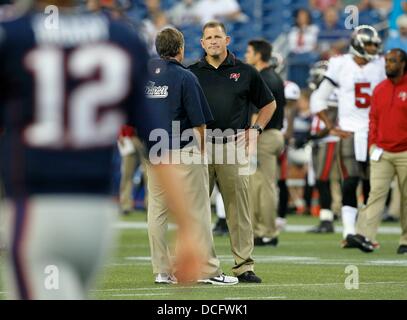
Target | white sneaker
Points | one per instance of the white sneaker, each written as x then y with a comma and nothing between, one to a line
281,223
165,278
221,280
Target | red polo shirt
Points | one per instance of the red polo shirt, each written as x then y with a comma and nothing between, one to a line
388,116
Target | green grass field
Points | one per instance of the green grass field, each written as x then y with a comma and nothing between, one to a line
303,266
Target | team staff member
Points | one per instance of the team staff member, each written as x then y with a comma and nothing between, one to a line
230,87
175,93
388,151
263,184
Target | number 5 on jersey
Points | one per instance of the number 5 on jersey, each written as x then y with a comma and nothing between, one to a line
362,95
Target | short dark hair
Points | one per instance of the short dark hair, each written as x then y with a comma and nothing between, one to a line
263,47
213,24
403,57
169,42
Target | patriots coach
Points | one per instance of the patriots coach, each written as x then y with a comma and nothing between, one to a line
230,87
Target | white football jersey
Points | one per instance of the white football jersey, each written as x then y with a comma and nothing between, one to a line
355,87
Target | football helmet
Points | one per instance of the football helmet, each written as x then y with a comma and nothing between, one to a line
316,74
277,62
361,36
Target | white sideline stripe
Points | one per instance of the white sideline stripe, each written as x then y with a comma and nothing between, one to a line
288,228
338,229
286,259
175,287
254,298
232,287
140,294
180,288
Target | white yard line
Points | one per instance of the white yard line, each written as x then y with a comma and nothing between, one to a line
181,288
143,260
289,227
254,298
140,294
304,285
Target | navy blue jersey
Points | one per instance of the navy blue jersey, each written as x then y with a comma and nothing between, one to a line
64,94
174,94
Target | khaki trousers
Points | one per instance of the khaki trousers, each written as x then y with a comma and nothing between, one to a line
195,178
263,184
233,182
394,206
381,176
128,167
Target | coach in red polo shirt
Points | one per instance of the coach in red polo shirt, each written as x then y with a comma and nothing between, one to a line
388,150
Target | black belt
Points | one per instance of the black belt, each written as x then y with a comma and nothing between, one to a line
221,140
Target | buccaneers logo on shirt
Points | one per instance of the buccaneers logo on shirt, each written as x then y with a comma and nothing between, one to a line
234,76
403,96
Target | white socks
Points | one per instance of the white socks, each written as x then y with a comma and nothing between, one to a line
349,220
326,215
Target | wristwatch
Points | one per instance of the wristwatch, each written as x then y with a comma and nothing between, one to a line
257,127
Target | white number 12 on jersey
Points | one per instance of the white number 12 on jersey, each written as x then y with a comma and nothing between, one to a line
86,116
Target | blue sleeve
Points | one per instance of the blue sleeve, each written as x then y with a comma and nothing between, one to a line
140,116
194,101
2,76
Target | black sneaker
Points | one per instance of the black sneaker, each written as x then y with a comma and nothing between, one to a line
389,218
402,249
266,241
360,242
221,228
325,226
249,277
125,212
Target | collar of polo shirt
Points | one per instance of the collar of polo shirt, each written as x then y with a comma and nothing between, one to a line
229,61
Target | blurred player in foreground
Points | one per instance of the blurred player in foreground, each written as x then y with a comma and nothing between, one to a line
68,85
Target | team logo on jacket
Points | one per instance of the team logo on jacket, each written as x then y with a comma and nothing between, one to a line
403,95
156,92
234,76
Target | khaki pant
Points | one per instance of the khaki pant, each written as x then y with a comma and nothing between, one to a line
263,184
128,167
233,182
195,178
381,176
394,206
